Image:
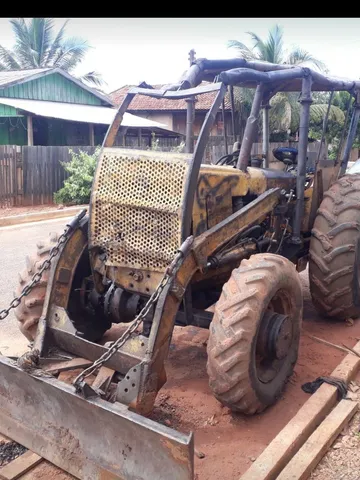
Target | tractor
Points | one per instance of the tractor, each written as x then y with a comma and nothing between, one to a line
170,240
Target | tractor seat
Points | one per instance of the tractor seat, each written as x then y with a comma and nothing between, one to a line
286,155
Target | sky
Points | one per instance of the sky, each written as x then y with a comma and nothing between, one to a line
127,51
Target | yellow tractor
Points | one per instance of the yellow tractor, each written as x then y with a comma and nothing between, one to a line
170,241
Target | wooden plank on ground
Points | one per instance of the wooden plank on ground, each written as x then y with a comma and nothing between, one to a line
288,441
4,439
20,466
310,454
68,365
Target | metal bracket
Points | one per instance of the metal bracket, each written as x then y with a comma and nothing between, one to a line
177,289
128,387
86,391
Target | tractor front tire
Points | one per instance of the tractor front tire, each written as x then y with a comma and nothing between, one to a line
254,335
334,260
88,324
30,309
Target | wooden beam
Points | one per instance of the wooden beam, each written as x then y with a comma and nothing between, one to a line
4,439
91,135
30,131
291,438
310,454
68,365
103,378
20,466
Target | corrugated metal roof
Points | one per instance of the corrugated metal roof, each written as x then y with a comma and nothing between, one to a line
19,75
80,113
145,103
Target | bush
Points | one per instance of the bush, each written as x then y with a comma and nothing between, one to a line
77,187
179,148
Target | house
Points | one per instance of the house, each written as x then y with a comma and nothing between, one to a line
172,113
48,106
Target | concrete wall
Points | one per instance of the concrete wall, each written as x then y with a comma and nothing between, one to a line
164,118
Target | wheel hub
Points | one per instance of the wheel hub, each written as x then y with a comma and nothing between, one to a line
275,335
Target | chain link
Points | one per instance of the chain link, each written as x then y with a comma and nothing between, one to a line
44,266
169,273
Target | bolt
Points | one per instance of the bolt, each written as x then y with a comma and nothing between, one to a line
137,276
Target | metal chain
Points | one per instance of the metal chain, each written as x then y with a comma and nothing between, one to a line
44,266
169,273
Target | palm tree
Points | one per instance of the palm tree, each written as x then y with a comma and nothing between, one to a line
272,50
37,46
285,113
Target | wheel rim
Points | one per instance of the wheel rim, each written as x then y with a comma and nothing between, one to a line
274,339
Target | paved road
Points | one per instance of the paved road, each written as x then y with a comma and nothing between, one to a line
15,243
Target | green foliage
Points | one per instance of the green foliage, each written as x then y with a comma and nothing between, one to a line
279,137
272,50
77,187
179,148
37,46
284,115
154,143
336,120
285,111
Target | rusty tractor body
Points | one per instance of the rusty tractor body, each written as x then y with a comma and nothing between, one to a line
240,234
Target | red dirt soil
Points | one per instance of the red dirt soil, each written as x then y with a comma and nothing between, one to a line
230,441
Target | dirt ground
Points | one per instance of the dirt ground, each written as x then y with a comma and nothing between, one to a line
11,211
230,442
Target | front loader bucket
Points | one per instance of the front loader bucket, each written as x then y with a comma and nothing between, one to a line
91,439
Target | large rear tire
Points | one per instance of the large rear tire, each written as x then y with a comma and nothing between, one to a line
254,335
334,261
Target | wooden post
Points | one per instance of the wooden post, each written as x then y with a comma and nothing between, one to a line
139,137
19,176
190,113
30,131
91,135
120,137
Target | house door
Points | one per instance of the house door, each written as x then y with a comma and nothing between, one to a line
41,129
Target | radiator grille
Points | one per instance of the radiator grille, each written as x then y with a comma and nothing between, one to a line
136,207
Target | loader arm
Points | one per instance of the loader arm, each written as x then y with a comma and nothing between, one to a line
140,360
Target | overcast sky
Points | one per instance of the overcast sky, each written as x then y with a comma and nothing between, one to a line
155,50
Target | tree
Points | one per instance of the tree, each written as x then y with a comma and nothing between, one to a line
272,50
285,111
37,46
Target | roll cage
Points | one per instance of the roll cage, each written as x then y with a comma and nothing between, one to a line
267,79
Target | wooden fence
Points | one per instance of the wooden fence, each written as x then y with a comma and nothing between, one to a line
43,173
10,175
31,175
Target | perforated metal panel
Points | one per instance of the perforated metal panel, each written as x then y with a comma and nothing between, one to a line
137,204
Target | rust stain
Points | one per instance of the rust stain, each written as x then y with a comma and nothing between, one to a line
179,453
106,475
